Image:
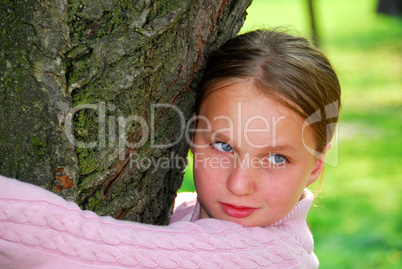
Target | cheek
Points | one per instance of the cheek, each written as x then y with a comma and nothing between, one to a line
209,175
284,185
205,174
205,185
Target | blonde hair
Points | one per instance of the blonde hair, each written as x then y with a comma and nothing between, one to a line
286,68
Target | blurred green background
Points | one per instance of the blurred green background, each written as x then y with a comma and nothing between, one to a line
357,220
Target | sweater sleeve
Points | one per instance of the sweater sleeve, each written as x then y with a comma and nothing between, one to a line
39,229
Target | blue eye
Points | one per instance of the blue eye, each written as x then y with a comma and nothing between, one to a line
276,159
222,147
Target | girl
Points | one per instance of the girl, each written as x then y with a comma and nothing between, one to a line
262,131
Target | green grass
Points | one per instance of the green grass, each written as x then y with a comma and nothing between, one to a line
357,221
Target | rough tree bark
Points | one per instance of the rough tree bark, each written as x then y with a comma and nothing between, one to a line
77,82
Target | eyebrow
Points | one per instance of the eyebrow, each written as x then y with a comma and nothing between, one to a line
225,138
282,148
218,135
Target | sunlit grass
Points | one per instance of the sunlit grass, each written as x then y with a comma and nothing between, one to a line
357,221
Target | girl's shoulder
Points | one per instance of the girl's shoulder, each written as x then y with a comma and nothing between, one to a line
184,206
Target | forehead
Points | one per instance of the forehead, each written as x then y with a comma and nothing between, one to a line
241,96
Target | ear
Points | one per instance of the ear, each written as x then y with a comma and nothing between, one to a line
318,166
192,145
193,134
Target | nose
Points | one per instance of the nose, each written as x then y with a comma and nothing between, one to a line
242,181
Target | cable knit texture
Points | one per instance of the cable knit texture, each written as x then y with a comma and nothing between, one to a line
39,229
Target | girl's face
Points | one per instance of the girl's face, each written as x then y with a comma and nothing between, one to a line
250,161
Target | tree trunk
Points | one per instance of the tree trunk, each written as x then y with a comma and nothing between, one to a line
95,96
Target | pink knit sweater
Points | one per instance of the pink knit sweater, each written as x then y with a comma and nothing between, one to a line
39,229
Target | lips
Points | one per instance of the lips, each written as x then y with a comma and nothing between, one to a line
238,211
